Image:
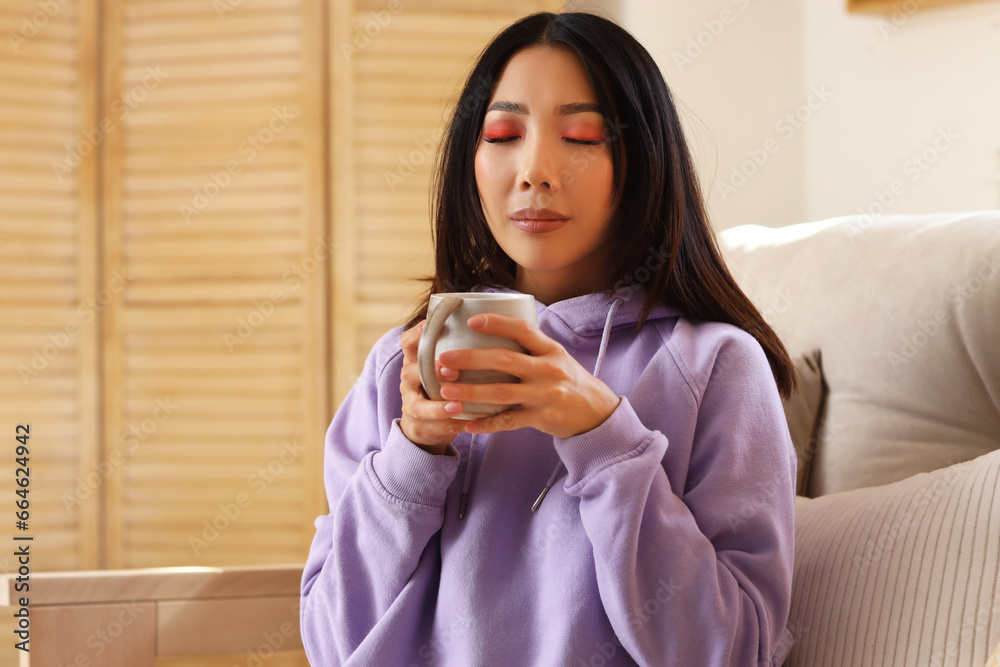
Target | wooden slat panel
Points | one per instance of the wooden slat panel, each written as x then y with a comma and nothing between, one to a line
155,9
48,249
343,320
214,202
48,269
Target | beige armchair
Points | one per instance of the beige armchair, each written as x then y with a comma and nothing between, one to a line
897,533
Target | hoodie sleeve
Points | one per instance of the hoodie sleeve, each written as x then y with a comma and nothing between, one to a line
699,575
374,556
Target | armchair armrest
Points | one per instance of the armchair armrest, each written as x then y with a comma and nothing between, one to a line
131,617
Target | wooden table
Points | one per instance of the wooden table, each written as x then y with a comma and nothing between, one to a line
129,618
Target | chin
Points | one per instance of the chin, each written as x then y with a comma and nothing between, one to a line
537,261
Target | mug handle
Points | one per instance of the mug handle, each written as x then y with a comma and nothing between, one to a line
427,347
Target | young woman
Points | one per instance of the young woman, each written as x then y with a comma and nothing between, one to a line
649,396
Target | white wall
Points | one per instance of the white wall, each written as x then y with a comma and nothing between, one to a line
865,94
901,82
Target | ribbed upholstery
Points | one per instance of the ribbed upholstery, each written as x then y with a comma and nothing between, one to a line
902,574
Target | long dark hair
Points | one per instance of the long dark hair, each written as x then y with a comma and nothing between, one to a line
659,210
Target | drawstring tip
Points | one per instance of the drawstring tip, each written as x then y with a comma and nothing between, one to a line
541,497
463,505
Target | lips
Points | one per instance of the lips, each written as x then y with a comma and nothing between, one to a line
538,226
538,220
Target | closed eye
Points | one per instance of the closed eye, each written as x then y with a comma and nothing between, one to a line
584,142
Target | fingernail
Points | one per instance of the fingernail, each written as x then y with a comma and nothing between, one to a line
453,407
449,373
477,321
447,357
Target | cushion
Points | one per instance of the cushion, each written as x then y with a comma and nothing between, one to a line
902,574
906,309
802,411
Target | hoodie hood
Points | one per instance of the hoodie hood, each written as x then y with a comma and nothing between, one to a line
581,321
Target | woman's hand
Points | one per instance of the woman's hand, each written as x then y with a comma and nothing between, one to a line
427,424
557,395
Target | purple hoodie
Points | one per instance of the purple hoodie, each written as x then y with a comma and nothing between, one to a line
666,537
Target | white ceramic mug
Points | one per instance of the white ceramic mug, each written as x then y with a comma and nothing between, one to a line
447,329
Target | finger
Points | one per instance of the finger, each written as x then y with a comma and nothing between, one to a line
496,359
431,430
410,374
445,373
523,332
410,383
420,408
502,393
434,430
424,410
508,420
410,338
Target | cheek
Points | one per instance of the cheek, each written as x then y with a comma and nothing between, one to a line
492,175
485,174
488,185
598,179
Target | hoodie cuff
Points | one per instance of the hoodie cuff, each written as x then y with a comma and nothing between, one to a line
409,474
622,436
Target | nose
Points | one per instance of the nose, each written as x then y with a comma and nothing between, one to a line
538,166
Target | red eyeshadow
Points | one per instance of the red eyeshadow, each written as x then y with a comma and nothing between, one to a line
501,129
585,133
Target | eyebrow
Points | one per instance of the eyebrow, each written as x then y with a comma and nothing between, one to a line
564,110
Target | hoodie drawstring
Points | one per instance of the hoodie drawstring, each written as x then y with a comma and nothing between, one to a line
467,481
597,372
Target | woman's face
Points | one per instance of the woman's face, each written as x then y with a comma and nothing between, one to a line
544,172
